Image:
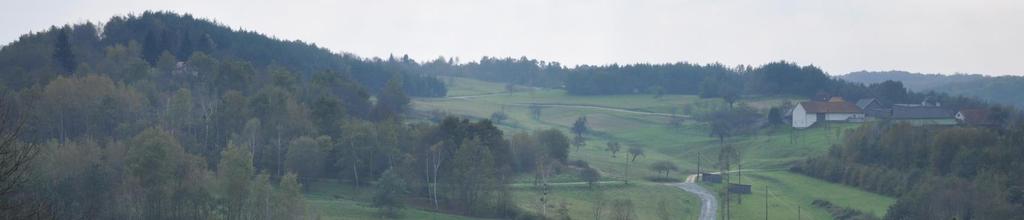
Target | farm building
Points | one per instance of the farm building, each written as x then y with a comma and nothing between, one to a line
710,178
873,108
806,114
739,188
974,117
922,115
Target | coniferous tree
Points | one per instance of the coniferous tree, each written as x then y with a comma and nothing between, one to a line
151,48
62,54
186,47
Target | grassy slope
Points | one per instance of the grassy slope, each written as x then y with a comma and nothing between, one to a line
770,150
645,198
788,192
333,200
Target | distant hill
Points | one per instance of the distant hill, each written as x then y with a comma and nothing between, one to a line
912,81
1002,89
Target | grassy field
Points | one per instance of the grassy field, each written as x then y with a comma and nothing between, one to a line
332,200
645,197
788,192
765,154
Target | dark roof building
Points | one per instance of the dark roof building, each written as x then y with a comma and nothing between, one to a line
920,112
739,188
922,115
873,108
710,177
866,103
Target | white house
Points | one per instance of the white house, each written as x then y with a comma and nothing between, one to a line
806,114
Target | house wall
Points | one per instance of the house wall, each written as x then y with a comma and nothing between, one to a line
855,117
801,119
919,122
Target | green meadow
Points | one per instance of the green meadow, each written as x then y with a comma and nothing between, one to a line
640,120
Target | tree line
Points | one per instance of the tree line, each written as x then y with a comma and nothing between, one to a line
936,172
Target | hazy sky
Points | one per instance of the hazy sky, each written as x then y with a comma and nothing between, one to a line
932,36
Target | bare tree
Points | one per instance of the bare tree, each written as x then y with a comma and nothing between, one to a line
622,209
15,158
599,203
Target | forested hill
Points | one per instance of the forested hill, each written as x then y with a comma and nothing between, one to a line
125,46
1000,89
163,116
913,81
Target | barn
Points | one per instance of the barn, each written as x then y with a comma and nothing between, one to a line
711,178
806,114
739,188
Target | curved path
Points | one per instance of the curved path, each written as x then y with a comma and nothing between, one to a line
472,96
709,205
605,108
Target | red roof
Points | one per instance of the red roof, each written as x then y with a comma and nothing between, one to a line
830,107
975,116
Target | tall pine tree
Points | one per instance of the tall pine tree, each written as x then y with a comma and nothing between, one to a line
151,48
62,52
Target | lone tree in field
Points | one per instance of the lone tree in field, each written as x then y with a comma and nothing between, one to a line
590,175
635,152
579,128
614,147
664,167
731,122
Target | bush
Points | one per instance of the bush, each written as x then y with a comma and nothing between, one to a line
579,163
661,179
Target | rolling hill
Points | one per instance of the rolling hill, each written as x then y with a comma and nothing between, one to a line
998,89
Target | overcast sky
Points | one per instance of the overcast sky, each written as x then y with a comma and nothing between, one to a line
931,36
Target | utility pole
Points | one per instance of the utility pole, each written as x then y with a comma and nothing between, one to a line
728,195
798,217
765,201
699,175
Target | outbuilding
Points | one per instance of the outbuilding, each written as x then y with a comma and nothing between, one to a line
835,109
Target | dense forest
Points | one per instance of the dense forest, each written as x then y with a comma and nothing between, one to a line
162,116
936,172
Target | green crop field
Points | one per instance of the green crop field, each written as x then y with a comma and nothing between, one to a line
628,120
